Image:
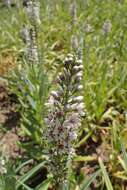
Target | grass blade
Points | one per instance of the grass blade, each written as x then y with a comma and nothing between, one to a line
88,181
44,185
25,186
29,174
22,165
105,174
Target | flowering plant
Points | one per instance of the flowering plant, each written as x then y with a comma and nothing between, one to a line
64,117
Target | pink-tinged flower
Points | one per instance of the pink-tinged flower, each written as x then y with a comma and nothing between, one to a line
80,109
107,26
64,116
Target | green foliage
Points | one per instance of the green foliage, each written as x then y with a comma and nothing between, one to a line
105,88
105,175
30,86
87,182
25,177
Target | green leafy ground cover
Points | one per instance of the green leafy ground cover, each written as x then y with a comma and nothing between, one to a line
101,161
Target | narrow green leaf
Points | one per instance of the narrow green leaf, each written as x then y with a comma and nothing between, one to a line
31,101
22,165
85,158
105,174
30,174
83,140
24,185
44,186
89,180
124,156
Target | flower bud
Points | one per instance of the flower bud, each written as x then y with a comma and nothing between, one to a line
78,68
67,107
80,109
73,107
78,79
68,60
61,76
79,74
65,72
64,117
107,27
78,99
79,62
73,136
79,87
55,94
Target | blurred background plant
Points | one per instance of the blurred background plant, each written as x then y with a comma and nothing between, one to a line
101,28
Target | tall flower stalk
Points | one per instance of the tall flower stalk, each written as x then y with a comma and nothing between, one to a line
73,15
30,32
66,108
7,3
73,12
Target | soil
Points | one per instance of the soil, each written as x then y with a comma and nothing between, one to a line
9,121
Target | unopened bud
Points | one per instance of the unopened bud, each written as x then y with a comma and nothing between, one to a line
79,74
55,94
79,62
67,107
78,79
79,87
61,76
78,68
68,60
78,99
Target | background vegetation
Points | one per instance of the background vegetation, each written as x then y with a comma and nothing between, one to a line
101,161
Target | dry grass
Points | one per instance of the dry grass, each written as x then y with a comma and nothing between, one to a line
7,61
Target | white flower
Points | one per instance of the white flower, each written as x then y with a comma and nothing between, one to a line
73,11
88,28
68,59
8,3
54,94
29,8
80,109
73,122
78,68
80,106
107,27
3,169
78,79
33,11
2,162
64,117
79,61
73,106
80,87
78,99
67,125
50,101
72,136
74,42
79,74
36,11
